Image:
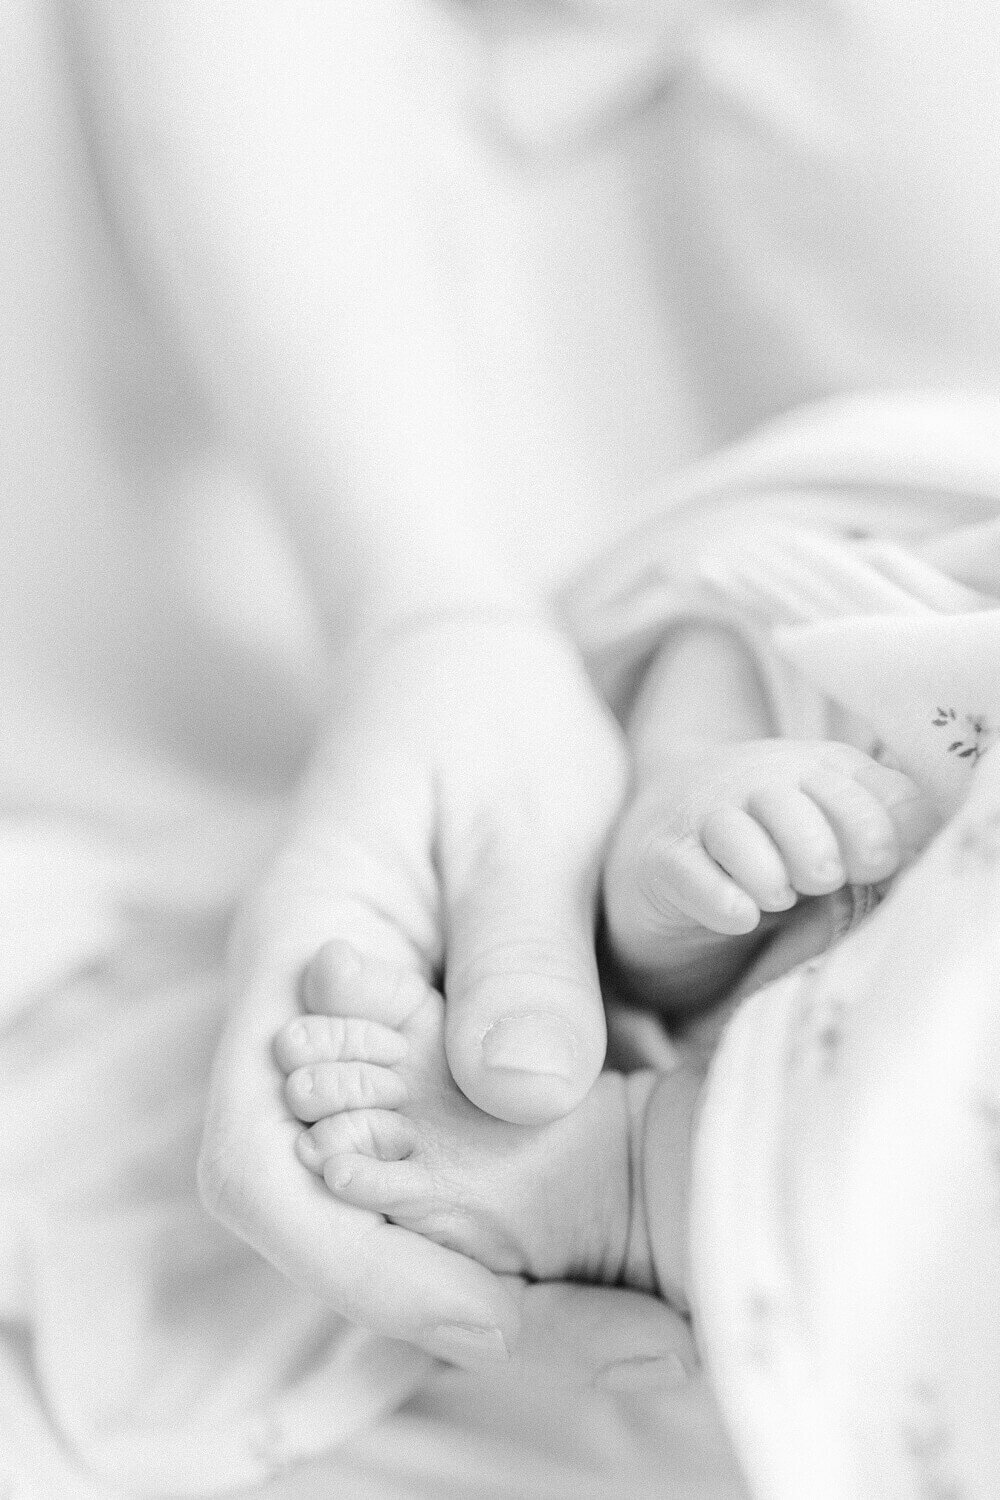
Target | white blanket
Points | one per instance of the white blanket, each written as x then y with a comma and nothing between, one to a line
856,547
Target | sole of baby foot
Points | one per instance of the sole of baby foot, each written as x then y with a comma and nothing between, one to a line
391,1132
695,971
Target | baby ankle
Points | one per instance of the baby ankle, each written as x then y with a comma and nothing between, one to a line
638,1269
666,1138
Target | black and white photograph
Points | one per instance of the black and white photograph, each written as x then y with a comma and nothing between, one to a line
499,814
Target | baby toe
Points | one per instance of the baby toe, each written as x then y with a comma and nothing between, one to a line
397,1189
803,836
316,1039
864,828
378,1133
339,981
744,850
329,1088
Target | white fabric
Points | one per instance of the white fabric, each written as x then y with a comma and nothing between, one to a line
844,1228
819,541
145,1351
810,204
168,1355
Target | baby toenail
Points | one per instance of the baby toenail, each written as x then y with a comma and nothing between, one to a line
536,1043
645,1374
829,869
304,1083
464,1344
340,1176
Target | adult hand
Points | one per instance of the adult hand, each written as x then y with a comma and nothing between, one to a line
453,823
624,1341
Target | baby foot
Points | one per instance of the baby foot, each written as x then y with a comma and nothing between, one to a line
719,835
391,1132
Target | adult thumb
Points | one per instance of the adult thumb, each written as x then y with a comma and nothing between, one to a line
525,1032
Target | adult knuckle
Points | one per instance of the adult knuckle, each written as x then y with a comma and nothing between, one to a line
530,953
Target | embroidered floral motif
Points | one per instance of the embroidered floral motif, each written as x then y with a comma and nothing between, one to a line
973,730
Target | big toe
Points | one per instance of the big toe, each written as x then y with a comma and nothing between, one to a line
340,981
526,1050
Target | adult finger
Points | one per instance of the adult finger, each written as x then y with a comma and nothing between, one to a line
609,1336
525,1032
518,855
